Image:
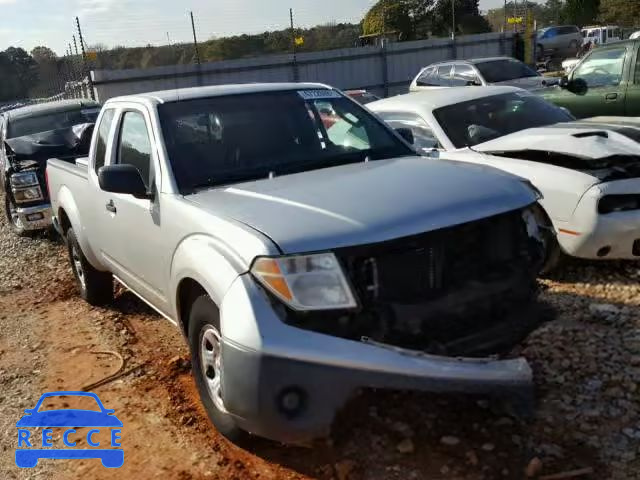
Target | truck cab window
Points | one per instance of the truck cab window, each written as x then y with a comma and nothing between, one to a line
602,68
101,141
134,147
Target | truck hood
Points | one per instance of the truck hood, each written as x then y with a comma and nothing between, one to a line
60,143
366,202
604,152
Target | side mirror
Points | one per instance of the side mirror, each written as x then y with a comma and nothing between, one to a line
122,179
564,82
407,134
474,83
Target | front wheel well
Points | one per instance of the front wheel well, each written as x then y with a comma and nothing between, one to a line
65,223
188,290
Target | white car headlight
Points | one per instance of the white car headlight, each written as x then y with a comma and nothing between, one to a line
305,282
24,179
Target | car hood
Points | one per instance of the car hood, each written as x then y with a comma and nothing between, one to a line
69,418
572,138
366,202
528,83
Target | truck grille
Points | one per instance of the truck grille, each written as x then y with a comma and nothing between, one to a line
464,290
426,266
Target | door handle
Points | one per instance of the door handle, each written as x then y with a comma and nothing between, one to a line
611,96
111,207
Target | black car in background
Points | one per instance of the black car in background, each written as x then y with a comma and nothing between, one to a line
29,136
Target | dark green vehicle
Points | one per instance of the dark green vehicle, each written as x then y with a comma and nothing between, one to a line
606,82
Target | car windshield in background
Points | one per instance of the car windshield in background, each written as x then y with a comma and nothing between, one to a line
483,119
494,71
19,127
221,140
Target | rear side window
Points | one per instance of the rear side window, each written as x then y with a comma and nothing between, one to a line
464,75
102,138
426,78
135,147
637,73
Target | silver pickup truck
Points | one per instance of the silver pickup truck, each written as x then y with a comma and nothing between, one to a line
304,249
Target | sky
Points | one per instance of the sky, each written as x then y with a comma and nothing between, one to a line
28,23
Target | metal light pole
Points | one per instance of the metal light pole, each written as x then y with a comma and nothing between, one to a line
453,19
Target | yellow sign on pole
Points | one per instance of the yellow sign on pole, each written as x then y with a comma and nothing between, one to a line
512,20
299,41
92,55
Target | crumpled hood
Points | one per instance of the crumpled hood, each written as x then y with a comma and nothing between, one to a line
565,138
62,142
366,202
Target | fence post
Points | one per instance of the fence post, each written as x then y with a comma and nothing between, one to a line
385,67
454,48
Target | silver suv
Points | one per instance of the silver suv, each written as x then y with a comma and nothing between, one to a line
563,40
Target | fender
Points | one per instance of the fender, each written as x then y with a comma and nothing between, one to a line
66,202
209,261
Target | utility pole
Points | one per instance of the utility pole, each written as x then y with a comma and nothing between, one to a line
504,27
195,39
84,61
296,72
453,19
515,14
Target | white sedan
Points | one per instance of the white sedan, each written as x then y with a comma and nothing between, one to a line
588,172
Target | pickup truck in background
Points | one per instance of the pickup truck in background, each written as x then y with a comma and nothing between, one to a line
302,262
606,82
28,137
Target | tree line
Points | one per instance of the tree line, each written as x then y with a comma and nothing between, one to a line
41,72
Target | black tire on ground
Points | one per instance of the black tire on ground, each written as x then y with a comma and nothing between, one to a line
12,220
96,287
204,322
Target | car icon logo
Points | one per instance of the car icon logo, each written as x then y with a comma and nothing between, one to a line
28,452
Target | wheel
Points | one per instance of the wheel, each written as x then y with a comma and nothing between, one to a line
206,361
96,287
11,211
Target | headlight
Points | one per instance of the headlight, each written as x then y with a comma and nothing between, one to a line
24,179
29,194
305,282
618,203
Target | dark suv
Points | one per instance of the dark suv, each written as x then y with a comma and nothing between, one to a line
29,136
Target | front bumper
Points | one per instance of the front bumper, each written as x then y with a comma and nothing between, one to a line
264,359
35,218
611,236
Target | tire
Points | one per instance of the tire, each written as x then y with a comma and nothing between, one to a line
12,219
204,334
96,287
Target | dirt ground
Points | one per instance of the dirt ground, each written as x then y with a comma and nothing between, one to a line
587,366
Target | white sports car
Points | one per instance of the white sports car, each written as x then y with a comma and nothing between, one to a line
587,171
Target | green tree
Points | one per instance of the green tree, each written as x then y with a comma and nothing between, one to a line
580,12
389,16
621,12
43,54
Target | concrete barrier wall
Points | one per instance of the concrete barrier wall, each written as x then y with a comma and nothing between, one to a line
384,70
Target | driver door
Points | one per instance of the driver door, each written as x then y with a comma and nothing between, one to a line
598,85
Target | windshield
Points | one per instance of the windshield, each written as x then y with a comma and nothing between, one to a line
483,119
502,70
220,140
19,127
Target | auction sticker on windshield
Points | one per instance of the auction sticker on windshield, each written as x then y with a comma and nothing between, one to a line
88,431
320,93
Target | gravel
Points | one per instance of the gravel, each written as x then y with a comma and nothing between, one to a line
586,365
